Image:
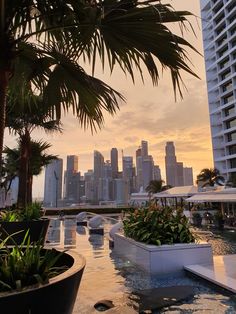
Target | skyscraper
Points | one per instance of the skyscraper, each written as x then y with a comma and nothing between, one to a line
171,164
157,173
129,172
188,176
53,183
98,166
219,38
147,170
72,180
138,169
179,174
114,162
144,148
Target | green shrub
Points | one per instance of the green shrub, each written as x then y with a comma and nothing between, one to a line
27,264
30,212
154,225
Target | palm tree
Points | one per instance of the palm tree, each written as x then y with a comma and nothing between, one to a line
38,160
210,177
126,33
156,186
23,123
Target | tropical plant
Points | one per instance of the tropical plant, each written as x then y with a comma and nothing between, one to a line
127,33
155,225
26,265
38,159
210,177
32,211
156,186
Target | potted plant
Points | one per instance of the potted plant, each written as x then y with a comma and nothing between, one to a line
219,220
13,221
197,219
37,280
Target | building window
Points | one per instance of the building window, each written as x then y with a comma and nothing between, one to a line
232,19
223,51
225,75
219,19
229,111
228,98
227,86
220,29
233,31
233,163
230,124
221,41
232,136
224,63
232,149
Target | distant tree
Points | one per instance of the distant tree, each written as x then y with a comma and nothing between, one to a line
210,177
37,161
156,186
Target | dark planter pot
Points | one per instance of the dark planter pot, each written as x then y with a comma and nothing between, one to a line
56,297
37,230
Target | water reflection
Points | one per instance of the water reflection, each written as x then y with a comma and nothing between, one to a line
81,230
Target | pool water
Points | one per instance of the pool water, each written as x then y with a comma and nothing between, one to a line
110,277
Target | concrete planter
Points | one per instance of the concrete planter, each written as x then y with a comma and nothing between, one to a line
58,296
165,258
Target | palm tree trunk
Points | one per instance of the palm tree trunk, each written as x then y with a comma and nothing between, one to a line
29,189
4,79
24,169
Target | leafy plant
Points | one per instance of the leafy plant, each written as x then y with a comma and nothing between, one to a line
31,212
155,225
27,264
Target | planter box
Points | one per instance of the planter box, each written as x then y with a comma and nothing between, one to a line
162,259
58,296
37,230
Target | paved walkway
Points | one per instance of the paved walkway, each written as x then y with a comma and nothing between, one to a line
222,272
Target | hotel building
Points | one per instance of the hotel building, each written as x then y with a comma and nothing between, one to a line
219,39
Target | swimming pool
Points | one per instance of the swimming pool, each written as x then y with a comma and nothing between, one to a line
108,276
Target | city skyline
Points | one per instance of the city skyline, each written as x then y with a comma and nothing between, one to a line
150,113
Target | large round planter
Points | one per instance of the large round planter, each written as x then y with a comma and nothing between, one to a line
56,297
37,230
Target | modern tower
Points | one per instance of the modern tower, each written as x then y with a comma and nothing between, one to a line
171,164
144,148
219,39
98,166
114,162
72,180
53,183
147,170
188,176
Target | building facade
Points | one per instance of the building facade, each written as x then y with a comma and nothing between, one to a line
219,40
53,183
171,164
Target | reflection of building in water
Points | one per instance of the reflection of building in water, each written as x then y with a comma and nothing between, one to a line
81,230
54,231
70,232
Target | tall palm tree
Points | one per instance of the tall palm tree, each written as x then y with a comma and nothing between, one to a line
210,177
22,121
38,160
127,33
156,186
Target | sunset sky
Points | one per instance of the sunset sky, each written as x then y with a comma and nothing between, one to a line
150,113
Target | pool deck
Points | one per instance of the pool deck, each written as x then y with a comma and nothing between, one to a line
222,272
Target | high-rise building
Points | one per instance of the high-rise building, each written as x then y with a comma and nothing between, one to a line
98,173
129,172
121,191
72,180
179,174
53,183
171,164
114,162
147,170
219,38
138,169
144,148
156,173
188,176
